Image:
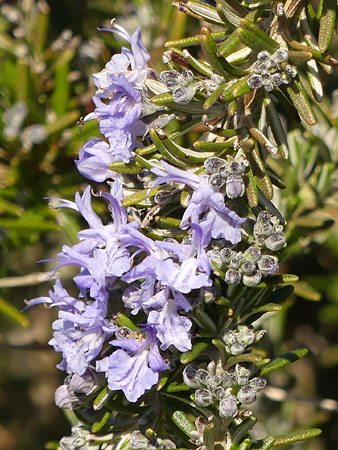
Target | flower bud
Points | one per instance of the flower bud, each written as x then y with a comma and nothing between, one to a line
275,241
189,376
264,217
258,383
228,379
65,398
216,181
246,394
83,384
263,56
226,254
138,440
228,407
218,392
268,265
230,337
201,376
248,267
253,279
215,257
246,335
203,397
122,333
253,254
277,79
255,81
233,276
281,55
237,349
263,229
242,374
235,262
213,381
235,186
213,164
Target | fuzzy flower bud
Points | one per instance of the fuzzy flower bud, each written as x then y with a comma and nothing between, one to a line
228,407
275,241
213,164
247,394
203,397
258,383
268,265
235,186
253,279
233,276
189,376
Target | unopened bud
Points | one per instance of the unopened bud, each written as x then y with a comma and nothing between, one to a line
216,181
202,375
255,81
246,335
233,276
65,398
83,384
235,186
189,376
237,349
226,254
263,56
218,392
230,337
228,379
253,254
243,374
248,267
138,441
264,217
275,241
213,164
228,407
213,381
214,256
246,394
268,265
253,279
258,383
203,397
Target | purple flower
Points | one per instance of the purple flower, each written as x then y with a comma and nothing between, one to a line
218,220
119,117
94,160
80,330
135,368
132,63
171,328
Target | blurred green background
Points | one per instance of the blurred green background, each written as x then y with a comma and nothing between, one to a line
48,51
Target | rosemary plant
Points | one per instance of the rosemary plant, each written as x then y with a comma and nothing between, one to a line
163,345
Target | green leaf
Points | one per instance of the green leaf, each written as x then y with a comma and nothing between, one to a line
124,321
12,313
101,419
245,357
177,387
189,356
284,360
183,422
305,290
297,436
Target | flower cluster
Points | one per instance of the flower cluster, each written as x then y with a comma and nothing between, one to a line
184,224
271,71
251,265
224,389
227,172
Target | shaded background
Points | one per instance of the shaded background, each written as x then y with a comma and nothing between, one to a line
48,51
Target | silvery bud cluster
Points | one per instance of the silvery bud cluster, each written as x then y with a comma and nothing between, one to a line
227,173
139,441
236,341
182,85
268,232
226,389
83,438
271,71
